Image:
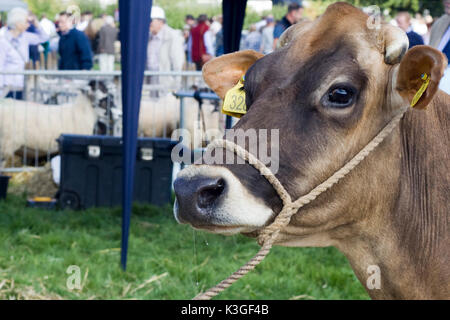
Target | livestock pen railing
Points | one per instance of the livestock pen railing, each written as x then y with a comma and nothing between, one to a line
54,102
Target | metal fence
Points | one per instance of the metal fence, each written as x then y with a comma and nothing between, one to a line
28,127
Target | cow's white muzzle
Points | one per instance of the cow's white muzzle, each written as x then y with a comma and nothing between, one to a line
213,199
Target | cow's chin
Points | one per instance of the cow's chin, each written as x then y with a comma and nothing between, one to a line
227,230
236,211
224,229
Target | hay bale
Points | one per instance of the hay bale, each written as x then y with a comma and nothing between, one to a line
14,161
18,181
36,183
41,183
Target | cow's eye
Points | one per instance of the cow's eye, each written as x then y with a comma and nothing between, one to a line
340,97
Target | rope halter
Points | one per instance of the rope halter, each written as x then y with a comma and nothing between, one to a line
269,234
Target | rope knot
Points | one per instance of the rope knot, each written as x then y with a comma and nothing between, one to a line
271,232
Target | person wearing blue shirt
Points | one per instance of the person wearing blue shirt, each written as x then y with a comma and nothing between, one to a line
403,20
253,40
440,39
74,48
440,32
293,16
33,49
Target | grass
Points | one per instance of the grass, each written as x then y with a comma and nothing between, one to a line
166,260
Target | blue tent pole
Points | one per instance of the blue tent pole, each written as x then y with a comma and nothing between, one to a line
134,16
233,12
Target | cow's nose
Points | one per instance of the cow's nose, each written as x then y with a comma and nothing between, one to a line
197,197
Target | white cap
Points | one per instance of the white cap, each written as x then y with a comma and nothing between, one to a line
158,13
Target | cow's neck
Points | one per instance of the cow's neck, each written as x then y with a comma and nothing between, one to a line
383,267
405,237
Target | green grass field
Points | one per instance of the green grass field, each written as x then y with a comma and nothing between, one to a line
166,260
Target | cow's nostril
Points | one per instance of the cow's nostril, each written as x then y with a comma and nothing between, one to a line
196,198
207,194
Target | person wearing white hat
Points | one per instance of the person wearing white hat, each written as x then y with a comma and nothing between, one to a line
165,52
158,13
14,52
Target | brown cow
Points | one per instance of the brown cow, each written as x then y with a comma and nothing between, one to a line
329,89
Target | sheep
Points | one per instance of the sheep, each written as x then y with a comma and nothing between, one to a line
37,126
160,118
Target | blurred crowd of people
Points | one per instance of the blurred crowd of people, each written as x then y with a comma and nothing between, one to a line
175,50
423,29
75,42
263,35
71,40
202,39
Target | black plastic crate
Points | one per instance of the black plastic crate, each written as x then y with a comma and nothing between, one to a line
91,171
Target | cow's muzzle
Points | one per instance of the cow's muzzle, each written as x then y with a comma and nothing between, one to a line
212,198
197,198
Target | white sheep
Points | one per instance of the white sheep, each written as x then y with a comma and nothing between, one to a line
159,118
37,126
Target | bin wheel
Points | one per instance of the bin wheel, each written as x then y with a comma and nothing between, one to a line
69,200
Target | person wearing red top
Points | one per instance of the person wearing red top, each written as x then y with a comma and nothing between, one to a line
200,43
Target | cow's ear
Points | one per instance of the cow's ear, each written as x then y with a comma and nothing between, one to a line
222,73
418,61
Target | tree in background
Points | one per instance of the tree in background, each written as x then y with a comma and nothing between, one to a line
176,10
53,7
49,7
413,6
89,5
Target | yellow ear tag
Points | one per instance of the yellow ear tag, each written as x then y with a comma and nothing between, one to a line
426,80
234,102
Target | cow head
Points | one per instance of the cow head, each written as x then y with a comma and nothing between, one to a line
329,88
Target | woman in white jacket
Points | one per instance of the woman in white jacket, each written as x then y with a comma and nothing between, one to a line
14,42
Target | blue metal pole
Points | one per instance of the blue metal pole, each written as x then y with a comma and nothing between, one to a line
233,20
134,16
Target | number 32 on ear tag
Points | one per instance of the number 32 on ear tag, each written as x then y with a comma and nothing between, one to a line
234,102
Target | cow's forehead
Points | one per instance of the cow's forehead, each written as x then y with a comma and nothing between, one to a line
340,22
